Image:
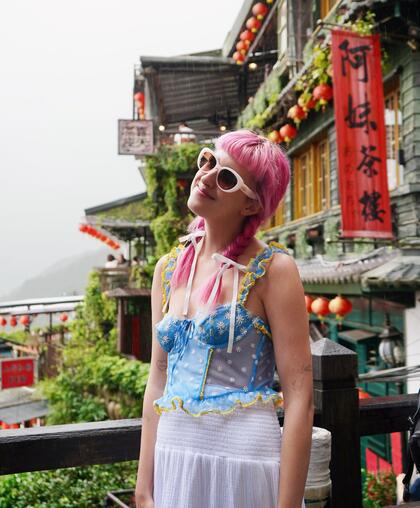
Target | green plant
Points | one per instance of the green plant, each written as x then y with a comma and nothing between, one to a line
93,374
81,487
379,489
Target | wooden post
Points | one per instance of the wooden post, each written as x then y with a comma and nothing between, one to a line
337,409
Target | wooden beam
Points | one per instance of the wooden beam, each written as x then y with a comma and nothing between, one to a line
60,446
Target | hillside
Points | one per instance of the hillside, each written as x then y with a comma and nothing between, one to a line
67,276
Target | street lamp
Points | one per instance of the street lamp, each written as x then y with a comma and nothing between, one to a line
391,347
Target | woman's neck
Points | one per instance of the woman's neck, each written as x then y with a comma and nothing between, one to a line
218,237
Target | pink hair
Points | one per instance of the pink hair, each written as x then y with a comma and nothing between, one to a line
270,168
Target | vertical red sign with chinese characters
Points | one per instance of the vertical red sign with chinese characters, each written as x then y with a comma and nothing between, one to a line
17,372
361,142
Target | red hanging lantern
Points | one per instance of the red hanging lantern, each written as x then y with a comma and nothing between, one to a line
63,317
83,228
13,321
238,57
340,307
25,320
288,132
297,114
308,301
139,97
320,307
253,24
275,137
247,35
242,47
323,93
3,321
259,10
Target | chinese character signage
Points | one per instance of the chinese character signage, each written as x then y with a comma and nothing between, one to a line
135,137
361,142
15,372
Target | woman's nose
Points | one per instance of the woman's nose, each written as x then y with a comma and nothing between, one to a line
209,177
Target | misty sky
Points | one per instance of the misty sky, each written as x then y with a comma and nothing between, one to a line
66,76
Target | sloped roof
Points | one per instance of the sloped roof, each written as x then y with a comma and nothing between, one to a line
320,271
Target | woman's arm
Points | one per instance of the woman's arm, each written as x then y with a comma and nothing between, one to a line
154,389
284,303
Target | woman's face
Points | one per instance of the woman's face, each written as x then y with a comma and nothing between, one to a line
208,201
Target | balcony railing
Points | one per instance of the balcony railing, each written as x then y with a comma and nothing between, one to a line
337,408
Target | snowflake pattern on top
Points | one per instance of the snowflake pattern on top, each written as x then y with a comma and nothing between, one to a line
202,376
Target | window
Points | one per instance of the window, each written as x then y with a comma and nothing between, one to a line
282,29
393,120
326,6
279,217
311,180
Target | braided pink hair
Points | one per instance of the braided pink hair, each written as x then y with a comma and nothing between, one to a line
270,168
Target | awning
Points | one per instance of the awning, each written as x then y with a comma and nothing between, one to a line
201,90
23,412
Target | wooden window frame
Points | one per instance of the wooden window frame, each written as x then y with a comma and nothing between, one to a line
312,186
326,6
395,96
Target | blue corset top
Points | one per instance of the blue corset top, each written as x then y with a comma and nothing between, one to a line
204,374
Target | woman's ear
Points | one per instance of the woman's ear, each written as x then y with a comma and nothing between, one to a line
252,207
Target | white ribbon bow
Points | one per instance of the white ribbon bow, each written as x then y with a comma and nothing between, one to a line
191,237
196,239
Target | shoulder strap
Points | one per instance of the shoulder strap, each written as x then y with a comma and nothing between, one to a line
168,269
257,268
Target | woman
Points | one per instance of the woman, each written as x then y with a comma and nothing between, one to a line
233,311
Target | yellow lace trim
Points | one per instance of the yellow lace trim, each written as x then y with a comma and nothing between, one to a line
203,384
173,254
251,278
275,397
262,328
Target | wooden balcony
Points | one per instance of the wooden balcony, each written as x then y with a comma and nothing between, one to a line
337,408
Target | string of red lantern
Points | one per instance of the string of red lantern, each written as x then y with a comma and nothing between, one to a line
63,317
139,99
321,94
321,306
88,229
252,26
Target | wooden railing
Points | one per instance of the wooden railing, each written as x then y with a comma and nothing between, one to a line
337,409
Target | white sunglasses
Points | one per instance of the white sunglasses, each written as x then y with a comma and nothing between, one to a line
227,179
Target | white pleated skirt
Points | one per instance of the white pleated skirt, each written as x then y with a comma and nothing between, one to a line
218,461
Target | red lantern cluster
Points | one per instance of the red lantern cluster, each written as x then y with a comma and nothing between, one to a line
140,102
90,230
252,25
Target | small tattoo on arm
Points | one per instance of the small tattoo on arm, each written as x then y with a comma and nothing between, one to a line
307,368
162,364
